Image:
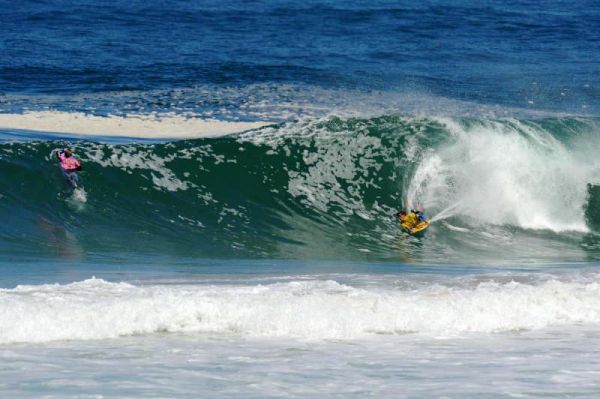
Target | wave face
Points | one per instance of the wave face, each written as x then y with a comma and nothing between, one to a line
318,188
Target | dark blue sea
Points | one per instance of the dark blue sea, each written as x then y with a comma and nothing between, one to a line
233,233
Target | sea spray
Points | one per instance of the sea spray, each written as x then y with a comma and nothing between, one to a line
505,172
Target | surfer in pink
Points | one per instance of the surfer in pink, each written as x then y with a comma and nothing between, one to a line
68,162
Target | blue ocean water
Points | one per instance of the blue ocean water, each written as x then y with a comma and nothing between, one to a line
509,53
234,233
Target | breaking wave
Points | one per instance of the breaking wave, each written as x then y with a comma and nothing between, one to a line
306,309
322,188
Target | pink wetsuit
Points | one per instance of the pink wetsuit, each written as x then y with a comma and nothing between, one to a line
68,163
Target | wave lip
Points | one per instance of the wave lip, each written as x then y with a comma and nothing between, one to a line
312,309
156,126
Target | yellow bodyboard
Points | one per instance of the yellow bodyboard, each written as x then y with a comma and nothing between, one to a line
421,227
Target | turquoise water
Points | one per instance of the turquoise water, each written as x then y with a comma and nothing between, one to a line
497,191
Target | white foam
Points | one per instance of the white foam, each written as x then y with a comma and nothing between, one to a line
505,172
79,194
127,158
78,199
169,125
456,228
313,309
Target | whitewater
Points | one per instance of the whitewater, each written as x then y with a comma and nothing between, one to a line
310,309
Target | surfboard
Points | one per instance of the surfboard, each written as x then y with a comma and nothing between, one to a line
418,230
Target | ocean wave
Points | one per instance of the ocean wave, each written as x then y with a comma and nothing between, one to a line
321,188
